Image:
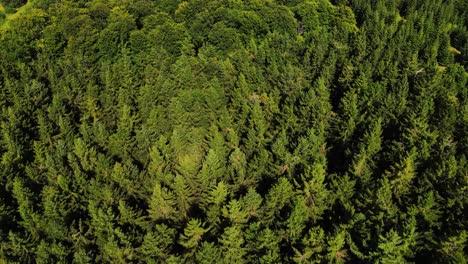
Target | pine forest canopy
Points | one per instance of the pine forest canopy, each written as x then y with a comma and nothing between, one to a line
233,131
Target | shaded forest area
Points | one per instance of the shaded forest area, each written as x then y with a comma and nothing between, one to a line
229,131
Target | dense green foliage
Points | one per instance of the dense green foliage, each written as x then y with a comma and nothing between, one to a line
228,131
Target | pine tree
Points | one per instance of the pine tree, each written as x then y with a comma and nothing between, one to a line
232,241
193,234
162,204
157,244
